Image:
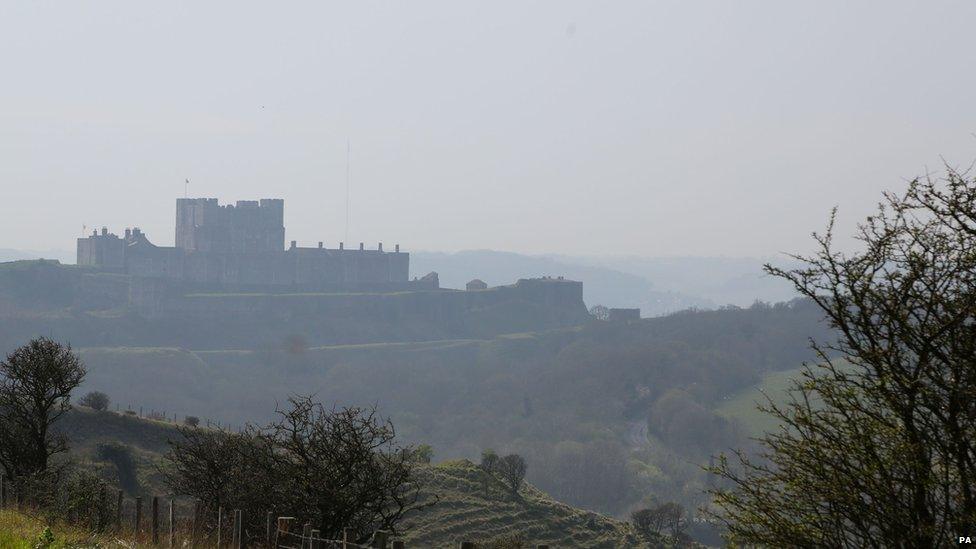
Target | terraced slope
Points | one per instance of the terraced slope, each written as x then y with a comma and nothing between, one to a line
463,512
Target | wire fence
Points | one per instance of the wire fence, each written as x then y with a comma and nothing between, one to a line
172,522
291,540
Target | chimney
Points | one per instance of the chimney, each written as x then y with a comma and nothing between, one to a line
397,248
380,246
342,245
320,244
128,233
104,231
294,244
361,247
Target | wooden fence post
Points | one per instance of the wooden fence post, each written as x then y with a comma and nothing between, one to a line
348,538
284,527
306,534
220,523
379,539
313,542
172,525
154,527
101,515
138,518
267,528
236,540
118,511
195,527
3,491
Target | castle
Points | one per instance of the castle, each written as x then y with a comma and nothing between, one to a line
242,247
230,273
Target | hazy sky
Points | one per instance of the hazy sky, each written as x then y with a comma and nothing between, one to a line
696,128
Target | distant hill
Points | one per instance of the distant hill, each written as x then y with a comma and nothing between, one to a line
605,413
719,280
8,254
601,285
658,285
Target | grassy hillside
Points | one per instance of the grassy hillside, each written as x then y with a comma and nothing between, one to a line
134,468
606,414
463,512
743,406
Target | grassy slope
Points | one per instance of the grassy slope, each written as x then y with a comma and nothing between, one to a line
463,513
743,406
147,440
22,531
521,393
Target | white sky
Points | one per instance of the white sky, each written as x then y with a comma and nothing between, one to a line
653,128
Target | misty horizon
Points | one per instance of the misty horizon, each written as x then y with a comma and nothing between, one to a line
554,128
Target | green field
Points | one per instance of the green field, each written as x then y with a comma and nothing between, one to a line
743,406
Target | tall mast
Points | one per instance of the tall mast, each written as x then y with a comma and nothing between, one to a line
348,147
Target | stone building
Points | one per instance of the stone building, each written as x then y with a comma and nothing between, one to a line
476,284
242,246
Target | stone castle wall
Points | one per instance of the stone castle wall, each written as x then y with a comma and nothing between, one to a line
241,246
307,269
105,250
560,299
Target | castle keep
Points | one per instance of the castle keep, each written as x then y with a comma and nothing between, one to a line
242,246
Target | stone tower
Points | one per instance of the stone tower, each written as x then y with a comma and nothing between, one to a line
249,226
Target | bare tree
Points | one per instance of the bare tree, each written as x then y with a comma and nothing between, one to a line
36,381
335,468
343,467
647,522
600,312
225,469
671,516
488,465
512,469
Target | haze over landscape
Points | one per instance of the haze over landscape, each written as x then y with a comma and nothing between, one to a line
650,129
487,275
